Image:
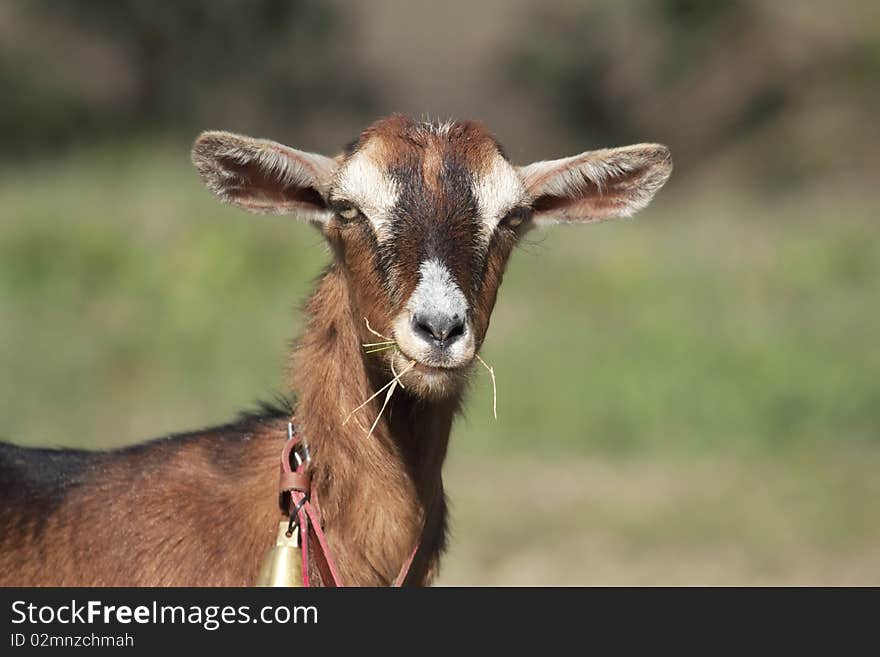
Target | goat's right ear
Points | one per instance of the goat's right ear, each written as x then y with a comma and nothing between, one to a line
264,176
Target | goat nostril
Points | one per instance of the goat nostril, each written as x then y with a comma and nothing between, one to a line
442,329
422,327
455,330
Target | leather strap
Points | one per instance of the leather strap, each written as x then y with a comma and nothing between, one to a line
294,486
298,481
404,573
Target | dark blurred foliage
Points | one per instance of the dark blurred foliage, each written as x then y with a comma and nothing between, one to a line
783,90
709,76
81,71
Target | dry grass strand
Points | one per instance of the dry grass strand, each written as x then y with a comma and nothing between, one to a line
393,383
491,371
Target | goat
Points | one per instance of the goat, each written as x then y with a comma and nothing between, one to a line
421,220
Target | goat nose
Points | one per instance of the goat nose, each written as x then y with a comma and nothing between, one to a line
438,328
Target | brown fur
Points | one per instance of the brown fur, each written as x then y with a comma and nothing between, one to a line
190,510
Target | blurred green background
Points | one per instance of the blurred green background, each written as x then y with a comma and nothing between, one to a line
693,395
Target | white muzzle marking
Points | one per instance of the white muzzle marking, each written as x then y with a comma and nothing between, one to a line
436,294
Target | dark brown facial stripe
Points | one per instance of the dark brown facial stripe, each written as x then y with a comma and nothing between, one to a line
433,220
436,215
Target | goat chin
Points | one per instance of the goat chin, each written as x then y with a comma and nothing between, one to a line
431,383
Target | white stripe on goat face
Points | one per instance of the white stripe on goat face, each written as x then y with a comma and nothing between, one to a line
365,183
497,191
437,292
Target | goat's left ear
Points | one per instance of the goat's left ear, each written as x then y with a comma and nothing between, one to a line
596,185
264,176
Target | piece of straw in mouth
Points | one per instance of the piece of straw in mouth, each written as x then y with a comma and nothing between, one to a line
394,383
385,348
388,394
376,333
379,391
494,386
373,347
396,375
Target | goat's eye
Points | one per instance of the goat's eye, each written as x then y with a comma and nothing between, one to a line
347,212
515,217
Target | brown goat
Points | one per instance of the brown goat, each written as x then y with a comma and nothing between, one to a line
421,220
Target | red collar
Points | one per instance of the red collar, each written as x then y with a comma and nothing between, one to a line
301,504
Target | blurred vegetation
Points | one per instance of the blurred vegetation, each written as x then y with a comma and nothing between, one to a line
83,72
787,86
694,394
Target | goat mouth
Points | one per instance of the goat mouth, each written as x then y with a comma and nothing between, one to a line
434,368
429,380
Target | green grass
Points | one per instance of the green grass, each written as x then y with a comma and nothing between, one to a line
132,304
807,518
697,390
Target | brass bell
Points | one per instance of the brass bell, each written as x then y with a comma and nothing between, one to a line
283,563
